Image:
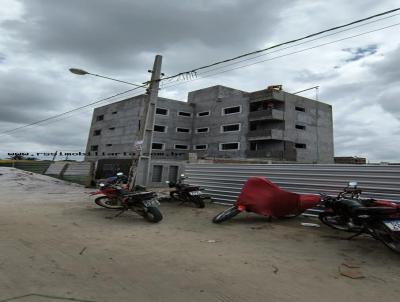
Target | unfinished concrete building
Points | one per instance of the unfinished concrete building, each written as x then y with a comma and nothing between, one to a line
219,122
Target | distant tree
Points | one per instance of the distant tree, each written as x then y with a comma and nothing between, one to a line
17,157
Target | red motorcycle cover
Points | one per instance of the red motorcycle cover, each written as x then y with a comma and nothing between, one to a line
261,196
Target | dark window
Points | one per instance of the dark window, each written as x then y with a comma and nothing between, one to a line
114,112
112,128
94,148
161,111
229,128
204,113
157,146
232,110
173,173
100,117
300,146
109,145
301,127
183,113
157,173
200,147
182,147
229,146
159,128
96,132
302,109
200,130
186,130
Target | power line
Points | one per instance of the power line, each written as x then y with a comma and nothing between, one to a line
69,111
116,80
57,119
281,56
193,71
302,43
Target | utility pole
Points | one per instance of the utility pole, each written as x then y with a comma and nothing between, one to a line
142,164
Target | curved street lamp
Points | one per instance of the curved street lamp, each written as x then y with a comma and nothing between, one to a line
79,71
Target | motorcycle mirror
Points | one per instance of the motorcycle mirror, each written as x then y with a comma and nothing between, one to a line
352,184
120,174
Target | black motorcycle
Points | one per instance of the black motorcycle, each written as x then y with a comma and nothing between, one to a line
141,202
349,214
115,195
186,193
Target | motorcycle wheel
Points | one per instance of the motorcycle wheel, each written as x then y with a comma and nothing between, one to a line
332,220
153,214
226,215
198,201
387,237
108,203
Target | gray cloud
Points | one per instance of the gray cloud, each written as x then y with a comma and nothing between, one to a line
115,36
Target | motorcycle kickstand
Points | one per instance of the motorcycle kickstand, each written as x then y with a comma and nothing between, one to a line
182,202
120,213
355,235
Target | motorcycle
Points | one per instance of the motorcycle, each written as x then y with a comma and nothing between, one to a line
110,197
349,214
116,196
353,192
261,196
186,193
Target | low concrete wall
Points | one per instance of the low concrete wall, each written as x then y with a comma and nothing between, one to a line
27,165
77,172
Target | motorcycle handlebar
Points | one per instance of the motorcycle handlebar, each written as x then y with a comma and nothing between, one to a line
325,198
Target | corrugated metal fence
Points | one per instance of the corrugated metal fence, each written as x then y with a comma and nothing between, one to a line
224,181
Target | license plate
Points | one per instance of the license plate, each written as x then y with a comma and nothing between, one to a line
195,193
151,203
393,225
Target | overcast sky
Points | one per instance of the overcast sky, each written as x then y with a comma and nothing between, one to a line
41,39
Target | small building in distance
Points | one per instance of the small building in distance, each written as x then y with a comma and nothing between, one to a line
219,123
352,160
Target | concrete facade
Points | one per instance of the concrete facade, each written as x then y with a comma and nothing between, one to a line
219,122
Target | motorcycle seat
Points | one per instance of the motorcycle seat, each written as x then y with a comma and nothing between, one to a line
139,194
375,210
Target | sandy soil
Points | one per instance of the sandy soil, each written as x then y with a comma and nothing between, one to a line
55,241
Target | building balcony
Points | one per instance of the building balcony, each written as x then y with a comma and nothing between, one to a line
263,134
267,114
263,95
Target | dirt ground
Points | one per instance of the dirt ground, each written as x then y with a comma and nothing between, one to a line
55,241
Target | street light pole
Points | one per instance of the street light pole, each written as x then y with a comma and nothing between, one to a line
143,162
140,168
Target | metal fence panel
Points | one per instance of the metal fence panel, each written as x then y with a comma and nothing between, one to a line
224,181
